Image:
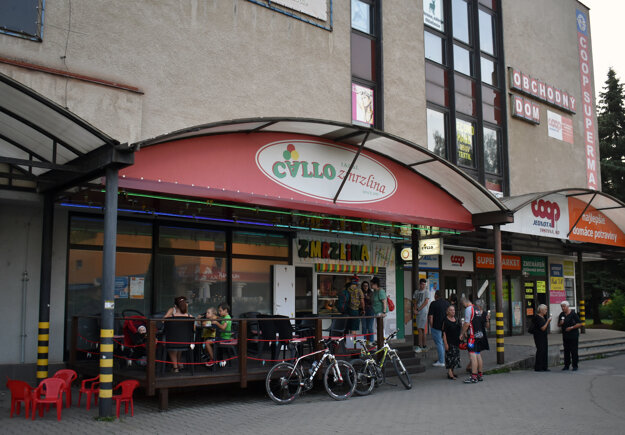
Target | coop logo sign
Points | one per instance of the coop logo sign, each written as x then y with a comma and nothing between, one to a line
547,213
458,260
317,169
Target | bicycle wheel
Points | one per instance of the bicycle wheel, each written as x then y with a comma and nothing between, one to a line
402,373
283,383
365,377
340,387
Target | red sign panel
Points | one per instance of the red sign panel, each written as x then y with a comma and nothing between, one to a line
294,172
485,260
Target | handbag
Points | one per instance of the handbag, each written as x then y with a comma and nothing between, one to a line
391,305
462,345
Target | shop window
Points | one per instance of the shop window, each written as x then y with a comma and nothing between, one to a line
569,288
492,4
491,107
252,286
460,20
436,84
491,151
203,280
495,185
465,143
437,132
361,16
363,57
22,18
434,48
462,60
260,244
90,232
487,44
132,290
465,95
191,238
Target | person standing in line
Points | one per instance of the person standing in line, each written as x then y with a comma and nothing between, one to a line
541,323
570,324
436,315
367,324
473,331
420,301
356,305
378,301
451,338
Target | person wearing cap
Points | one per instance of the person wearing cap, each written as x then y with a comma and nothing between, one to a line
420,301
570,324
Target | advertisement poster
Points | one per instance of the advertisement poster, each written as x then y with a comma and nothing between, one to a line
593,226
121,287
516,313
556,283
433,14
137,287
559,127
362,105
464,142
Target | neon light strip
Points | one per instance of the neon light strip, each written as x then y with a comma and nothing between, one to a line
266,210
294,227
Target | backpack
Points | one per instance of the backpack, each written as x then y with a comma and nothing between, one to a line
343,303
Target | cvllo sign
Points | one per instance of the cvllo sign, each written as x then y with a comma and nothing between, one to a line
317,169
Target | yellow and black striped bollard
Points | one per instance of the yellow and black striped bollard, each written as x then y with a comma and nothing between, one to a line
499,335
43,339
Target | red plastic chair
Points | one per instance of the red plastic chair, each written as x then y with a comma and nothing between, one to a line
21,392
90,387
68,376
49,391
127,387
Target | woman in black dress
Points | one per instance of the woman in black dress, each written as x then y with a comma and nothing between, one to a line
541,323
451,338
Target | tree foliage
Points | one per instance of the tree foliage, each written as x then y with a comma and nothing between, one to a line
611,122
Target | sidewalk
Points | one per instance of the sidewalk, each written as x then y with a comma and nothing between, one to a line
519,350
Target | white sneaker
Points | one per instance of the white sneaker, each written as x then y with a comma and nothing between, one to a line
438,364
417,349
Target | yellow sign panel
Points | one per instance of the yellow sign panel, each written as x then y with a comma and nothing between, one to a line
541,286
569,268
557,283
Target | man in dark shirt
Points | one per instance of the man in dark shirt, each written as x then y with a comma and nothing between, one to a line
570,324
436,315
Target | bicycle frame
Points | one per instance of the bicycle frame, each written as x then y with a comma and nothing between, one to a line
326,355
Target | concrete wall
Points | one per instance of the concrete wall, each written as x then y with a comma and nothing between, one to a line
20,238
540,39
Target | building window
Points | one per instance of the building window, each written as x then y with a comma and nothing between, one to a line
23,18
464,87
366,69
437,142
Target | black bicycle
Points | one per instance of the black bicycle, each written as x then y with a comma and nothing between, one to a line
285,381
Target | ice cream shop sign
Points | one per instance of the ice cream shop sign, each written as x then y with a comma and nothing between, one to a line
317,169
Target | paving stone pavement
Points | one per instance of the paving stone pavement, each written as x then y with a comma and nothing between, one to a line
520,402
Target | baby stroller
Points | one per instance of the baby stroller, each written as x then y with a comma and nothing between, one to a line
134,331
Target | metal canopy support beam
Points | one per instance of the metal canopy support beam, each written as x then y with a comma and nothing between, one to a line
580,215
36,164
43,336
351,166
91,165
423,162
493,218
108,301
414,280
498,295
580,292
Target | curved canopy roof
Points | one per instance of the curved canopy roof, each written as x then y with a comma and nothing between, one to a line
44,146
477,200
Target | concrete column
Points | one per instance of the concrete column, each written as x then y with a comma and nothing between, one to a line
499,295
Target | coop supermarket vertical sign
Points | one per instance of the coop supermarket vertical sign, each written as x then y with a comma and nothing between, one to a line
588,105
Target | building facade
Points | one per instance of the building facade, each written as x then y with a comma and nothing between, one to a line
497,88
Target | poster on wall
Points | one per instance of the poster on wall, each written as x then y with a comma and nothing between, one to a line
556,283
559,127
593,226
121,287
433,14
517,307
464,142
362,105
137,287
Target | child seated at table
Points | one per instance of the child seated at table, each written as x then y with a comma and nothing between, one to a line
209,333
